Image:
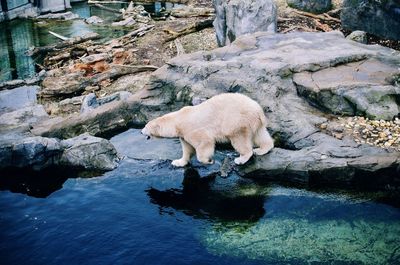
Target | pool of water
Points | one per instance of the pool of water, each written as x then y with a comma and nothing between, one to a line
146,212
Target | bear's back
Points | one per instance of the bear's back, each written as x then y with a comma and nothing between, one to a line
230,112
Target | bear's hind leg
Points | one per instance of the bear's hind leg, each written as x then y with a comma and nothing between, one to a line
243,145
187,152
264,141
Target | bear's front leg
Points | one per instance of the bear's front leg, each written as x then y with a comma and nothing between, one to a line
205,152
187,152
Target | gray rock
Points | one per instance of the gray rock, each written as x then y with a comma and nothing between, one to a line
135,145
63,85
23,116
237,17
363,88
358,36
29,152
381,18
90,101
312,6
37,153
94,20
89,152
17,98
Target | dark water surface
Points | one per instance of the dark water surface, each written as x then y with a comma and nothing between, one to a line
146,212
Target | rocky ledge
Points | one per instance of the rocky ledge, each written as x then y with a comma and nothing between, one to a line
302,80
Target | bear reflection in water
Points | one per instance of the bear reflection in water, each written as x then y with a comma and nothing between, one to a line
197,199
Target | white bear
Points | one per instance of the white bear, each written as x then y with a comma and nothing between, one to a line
229,117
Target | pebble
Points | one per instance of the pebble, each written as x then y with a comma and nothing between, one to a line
385,134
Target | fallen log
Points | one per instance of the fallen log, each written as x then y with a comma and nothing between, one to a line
61,45
117,70
74,84
322,26
192,12
323,16
195,27
302,28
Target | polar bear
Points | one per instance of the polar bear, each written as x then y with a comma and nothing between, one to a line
228,117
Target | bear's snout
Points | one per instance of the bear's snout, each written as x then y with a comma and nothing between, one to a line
145,133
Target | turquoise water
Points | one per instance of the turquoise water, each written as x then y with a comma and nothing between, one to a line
146,212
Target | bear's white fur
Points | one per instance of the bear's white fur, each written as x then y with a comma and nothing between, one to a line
228,117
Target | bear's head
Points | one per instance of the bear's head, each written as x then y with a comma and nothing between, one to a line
160,127
151,129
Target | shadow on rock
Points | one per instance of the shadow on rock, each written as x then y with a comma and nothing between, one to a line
197,199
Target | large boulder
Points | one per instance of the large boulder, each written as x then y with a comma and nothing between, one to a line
237,17
89,152
312,6
381,18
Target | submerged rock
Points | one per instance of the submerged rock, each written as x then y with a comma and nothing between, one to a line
314,237
95,20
